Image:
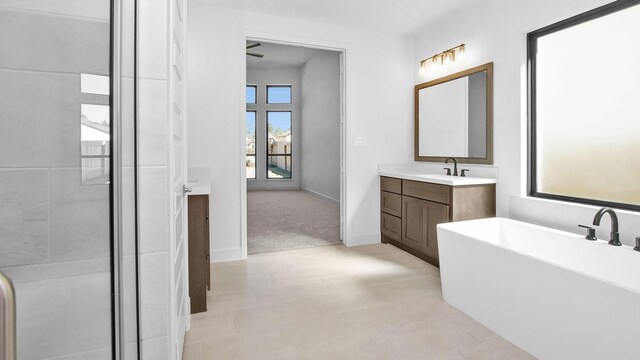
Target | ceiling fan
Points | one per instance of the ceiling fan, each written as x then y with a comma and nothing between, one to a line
251,45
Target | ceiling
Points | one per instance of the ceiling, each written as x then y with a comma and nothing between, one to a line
276,55
403,17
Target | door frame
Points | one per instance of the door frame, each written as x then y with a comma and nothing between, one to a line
284,39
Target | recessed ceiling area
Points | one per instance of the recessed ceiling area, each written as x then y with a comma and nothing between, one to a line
277,55
398,17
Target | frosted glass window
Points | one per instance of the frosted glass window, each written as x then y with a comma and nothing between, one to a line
94,84
586,119
278,94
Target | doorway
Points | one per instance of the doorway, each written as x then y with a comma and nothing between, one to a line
294,152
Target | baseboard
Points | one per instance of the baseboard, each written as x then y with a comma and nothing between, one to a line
364,240
188,317
223,255
319,194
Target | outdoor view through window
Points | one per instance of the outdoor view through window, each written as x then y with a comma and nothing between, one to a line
268,134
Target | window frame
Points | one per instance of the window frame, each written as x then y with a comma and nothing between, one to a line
279,86
266,147
532,37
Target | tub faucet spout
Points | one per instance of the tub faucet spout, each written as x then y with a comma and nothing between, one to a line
615,236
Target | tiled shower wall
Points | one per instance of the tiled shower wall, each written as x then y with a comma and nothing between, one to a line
54,231
154,184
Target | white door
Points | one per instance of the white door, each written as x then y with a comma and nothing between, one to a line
180,306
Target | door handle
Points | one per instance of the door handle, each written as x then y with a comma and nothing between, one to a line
7,319
186,188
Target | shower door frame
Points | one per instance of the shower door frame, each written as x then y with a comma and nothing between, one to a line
116,181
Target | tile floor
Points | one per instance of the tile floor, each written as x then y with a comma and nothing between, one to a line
334,302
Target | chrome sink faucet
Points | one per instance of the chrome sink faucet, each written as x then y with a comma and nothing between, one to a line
455,166
615,235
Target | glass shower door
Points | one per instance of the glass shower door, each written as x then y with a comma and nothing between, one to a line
57,241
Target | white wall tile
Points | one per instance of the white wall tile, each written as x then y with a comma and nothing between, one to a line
56,43
80,227
49,271
155,348
97,9
24,217
153,39
51,129
63,316
153,209
154,297
152,122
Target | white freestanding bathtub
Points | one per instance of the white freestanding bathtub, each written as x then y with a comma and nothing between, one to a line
551,293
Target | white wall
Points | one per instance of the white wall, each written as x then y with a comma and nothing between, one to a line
496,31
378,108
321,125
275,76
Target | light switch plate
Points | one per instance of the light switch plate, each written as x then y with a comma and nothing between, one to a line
360,141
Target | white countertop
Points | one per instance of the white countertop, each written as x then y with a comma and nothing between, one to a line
435,178
199,186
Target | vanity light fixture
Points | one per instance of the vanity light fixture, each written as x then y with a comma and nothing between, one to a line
446,57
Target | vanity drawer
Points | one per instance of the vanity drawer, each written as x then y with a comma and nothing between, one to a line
391,185
391,203
391,226
428,191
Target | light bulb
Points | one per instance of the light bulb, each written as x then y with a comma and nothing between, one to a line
447,58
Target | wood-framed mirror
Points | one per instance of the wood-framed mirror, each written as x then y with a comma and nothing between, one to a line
454,117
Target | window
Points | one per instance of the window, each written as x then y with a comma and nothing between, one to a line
252,94
278,94
584,123
95,135
95,129
278,144
251,145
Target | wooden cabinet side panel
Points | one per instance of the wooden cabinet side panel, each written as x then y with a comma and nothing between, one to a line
207,245
473,202
197,253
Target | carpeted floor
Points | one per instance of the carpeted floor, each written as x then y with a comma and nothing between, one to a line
286,220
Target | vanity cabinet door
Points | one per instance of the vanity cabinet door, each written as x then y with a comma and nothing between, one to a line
436,214
414,222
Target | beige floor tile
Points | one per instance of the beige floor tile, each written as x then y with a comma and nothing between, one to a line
205,326
230,301
495,348
334,302
472,327
412,287
192,351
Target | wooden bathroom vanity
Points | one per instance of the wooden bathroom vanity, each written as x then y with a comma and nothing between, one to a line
412,205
